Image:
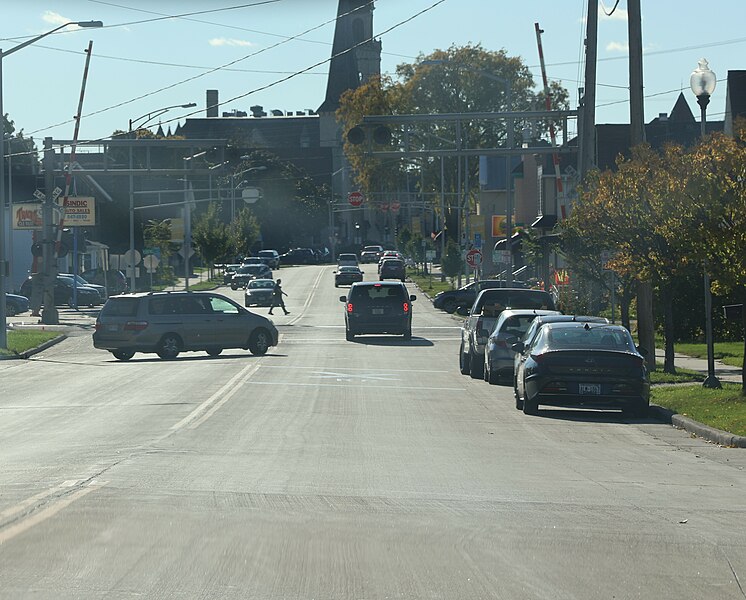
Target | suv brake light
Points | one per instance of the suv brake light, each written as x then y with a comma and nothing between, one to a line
349,307
135,325
406,307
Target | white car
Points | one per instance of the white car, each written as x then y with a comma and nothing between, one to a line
347,260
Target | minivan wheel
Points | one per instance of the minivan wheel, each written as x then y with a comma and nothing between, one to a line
169,347
123,354
259,342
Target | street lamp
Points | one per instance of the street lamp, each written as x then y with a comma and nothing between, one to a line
702,82
157,113
3,261
233,185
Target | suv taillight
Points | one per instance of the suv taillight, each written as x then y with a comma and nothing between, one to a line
405,306
349,307
135,325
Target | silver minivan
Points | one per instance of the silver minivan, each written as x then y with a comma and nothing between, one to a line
168,323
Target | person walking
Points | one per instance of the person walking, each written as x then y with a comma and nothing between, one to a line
277,300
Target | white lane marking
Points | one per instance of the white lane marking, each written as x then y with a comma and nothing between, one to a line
21,506
217,405
368,376
357,386
48,512
245,372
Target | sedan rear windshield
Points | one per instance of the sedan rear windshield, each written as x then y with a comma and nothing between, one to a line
120,307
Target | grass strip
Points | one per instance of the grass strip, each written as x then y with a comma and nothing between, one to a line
22,341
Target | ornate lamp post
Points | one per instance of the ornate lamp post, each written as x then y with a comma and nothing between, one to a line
703,82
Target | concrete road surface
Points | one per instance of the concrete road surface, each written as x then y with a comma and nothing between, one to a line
345,470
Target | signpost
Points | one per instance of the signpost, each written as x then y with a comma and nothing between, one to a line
355,198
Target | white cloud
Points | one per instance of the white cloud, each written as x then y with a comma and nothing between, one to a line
54,18
617,47
230,42
619,14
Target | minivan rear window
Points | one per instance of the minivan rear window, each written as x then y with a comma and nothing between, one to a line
120,307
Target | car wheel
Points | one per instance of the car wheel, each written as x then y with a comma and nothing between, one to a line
349,336
214,351
530,407
169,347
476,366
234,287
491,377
408,334
463,361
259,341
450,306
123,354
10,310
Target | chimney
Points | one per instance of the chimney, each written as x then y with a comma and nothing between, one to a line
662,117
212,103
257,111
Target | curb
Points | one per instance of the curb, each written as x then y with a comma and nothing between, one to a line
36,350
717,436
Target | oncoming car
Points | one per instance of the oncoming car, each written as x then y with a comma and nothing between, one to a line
259,292
168,323
346,275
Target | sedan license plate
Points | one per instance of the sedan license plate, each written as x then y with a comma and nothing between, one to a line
589,389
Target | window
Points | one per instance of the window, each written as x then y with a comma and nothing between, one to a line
221,305
121,307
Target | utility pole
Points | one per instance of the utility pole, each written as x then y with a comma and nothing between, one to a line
645,324
588,122
49,315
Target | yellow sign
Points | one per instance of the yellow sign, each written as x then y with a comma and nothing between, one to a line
177,230
79,210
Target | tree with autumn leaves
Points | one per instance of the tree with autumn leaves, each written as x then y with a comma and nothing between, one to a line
663,214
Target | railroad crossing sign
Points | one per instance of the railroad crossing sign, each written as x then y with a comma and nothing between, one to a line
355,198
474,258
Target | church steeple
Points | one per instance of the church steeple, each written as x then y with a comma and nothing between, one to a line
356,56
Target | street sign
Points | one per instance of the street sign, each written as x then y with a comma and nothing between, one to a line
154,251
474,258
502,256
131,258
251,195
355,198
151,262
478,241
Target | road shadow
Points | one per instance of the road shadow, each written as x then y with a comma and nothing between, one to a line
191,357
392,341
593,416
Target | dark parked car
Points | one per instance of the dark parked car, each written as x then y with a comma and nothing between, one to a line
259,292
392,268
378,307
347,275
114,280
451,300
271,258
299,256
168,323
63,292
15,305
246,273
229,271
80,280
587,365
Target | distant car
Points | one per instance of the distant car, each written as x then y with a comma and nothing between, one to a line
371,254
378,307
585,365
82,281
299,256
115,280
389,254
451,300
246,273
259,292
347,275
229,271
63,292
169,323
347,259
252,260
15,304
392,268
270,257
499,357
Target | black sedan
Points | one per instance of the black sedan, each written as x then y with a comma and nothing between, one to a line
246,273
347,275
586,365
15,305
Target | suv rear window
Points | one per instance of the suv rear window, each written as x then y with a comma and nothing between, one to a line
120,307
363,294
499,299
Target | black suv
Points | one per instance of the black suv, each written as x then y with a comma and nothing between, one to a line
392,268
378,307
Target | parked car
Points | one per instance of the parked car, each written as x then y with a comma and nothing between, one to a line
168,323
371,254
499,356
246,273
378,307
452,300
15,304
483,317
586,365
229,271
80,280
114,280
63,292
347,275
347,259
392,268
271,258
299,256
259,292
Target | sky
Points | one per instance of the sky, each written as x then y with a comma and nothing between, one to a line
158,53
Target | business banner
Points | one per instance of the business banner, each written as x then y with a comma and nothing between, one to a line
80,210
27,216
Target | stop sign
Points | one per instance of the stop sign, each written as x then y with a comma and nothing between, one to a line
355,198
474,258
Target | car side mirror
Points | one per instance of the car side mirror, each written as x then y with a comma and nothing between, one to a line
412,298
343,298
518,347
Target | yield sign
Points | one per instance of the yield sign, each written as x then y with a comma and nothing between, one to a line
355,198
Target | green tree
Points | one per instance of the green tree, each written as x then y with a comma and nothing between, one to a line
453,264
243,232
211,237
157,234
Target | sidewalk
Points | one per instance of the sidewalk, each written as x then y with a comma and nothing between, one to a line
722,371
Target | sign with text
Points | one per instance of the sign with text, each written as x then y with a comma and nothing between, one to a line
80,210
27,216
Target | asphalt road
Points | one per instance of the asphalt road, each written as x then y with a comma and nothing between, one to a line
345,470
